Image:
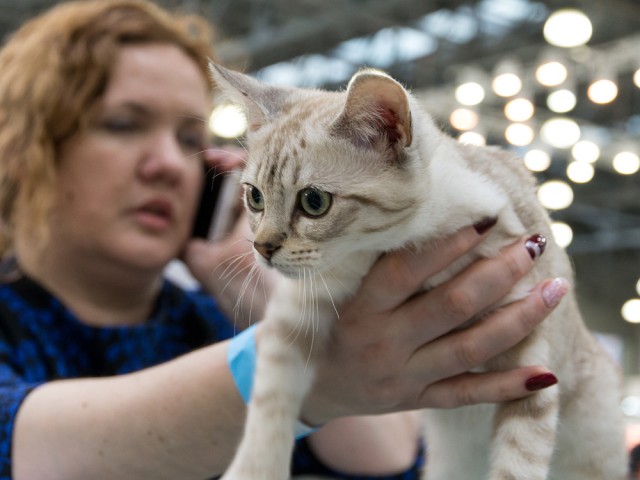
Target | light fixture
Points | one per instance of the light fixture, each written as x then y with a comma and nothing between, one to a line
551,74
507,80
580,172
567,28
636,78
561,101
519,134
638,286
537,160
585,151
519,109
555,194
560,132
463,119
602,91
469,93
228,121
562,234
631,310
507,84
626,163
472,138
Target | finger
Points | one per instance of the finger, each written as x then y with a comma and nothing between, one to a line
466,349
469,293
398,275
489,387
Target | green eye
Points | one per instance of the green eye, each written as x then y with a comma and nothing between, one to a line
314,202
255,200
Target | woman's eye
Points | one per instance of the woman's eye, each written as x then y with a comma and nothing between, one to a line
314,202
255,200
121,125
192,141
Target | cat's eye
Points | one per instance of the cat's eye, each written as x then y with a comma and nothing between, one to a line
255,200
314,202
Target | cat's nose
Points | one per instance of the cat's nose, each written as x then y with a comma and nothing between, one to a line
266,249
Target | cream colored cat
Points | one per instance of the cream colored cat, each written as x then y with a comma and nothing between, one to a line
332,180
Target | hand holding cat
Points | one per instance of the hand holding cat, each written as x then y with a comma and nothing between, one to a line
394,349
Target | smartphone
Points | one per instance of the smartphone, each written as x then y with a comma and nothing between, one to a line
217,209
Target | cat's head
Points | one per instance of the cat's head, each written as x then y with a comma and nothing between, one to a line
328,173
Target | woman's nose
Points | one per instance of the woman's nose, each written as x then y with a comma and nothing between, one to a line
163,159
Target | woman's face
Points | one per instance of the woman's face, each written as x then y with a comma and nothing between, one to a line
129,183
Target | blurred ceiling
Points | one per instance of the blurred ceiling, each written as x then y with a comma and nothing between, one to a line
429,45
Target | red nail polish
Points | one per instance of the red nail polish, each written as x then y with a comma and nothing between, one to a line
541,381
485,224
535,245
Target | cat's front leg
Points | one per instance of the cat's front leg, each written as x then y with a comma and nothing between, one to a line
525,436
283,377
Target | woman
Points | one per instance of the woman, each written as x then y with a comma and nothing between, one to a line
107,370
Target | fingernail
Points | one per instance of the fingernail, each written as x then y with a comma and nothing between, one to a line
485,224
535,245
554,290
541,381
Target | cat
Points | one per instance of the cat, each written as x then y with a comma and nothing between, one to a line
335,178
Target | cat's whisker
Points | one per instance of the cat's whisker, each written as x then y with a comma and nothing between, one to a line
245,285
232,263
235,275
333,304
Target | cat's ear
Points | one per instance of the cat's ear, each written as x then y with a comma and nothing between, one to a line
376,111
260,101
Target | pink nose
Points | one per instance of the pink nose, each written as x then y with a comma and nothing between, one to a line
266,249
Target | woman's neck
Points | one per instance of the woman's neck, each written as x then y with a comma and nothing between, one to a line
99,294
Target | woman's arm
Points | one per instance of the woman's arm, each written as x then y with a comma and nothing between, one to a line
181,419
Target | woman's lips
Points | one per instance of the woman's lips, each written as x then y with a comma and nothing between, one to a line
155,215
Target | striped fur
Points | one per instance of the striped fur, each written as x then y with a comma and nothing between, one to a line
396,180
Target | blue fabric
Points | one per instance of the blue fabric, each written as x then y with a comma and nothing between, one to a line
41,340
241,358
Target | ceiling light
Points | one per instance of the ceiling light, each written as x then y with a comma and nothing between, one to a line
631,310
602,91
580,172
562,234
626,163
555,195
636,78
519,134
537,160
228,121
463,119
561,101
567,28
507,84
560,132
470,93
551,74
519,110
585,151
472,138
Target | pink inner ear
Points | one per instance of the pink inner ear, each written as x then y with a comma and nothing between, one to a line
390,125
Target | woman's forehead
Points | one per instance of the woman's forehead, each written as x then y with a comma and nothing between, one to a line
159,74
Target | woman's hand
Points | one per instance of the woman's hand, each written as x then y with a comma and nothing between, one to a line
393,349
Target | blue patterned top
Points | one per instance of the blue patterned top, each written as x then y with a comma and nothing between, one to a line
41,340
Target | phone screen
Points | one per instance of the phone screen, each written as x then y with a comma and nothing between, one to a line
219,201
208,199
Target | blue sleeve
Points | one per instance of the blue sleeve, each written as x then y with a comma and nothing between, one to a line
13,391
